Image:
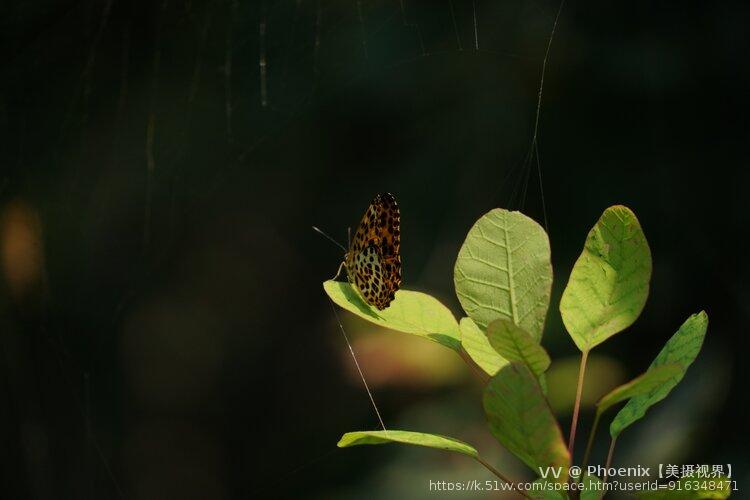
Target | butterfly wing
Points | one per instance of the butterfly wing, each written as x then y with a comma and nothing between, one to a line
373,262
371,279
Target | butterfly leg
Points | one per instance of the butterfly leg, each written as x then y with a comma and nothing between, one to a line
338,271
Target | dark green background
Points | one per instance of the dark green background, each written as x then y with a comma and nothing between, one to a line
178,343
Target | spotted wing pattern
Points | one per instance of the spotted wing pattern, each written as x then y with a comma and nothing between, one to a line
373,262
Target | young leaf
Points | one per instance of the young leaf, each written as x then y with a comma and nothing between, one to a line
688,488
407,437
514,344
503,270
520,418
478,347
609,283
681,350
643,384
410,312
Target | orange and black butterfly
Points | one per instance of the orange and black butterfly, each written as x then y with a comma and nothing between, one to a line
373,261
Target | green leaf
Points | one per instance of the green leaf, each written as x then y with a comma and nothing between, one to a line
503,270
640,385
688,488
609,283
514,344
592,489
520,418
543,384
407,437
410,312
681,350
477,346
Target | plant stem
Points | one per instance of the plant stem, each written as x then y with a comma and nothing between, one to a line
591,440
479,372
609,458
502,476
579,390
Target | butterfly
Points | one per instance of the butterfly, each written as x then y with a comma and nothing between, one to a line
373,261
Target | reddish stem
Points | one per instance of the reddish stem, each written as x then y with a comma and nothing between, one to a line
579,391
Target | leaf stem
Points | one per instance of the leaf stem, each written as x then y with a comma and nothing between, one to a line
609,458
579,391
592,433
472,364
502,476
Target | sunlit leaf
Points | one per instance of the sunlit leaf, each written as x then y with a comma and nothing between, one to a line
478,347
515,344
503,270
410,312
609,283
643,384
689,488
680,350
520,418
407,437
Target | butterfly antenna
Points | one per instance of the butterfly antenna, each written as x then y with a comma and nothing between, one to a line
330,239
356,363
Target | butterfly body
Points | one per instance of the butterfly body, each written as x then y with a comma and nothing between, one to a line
373,261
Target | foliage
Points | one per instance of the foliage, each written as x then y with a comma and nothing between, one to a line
521,419
503,270
503,277
609,283
407,437
680,351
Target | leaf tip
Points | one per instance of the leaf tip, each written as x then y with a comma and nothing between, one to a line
699,319
345,441
622,208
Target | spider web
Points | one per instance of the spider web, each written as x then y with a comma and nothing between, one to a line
518,30
281,54
265,61
259,65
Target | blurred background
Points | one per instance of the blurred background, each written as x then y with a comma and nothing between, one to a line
163,329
